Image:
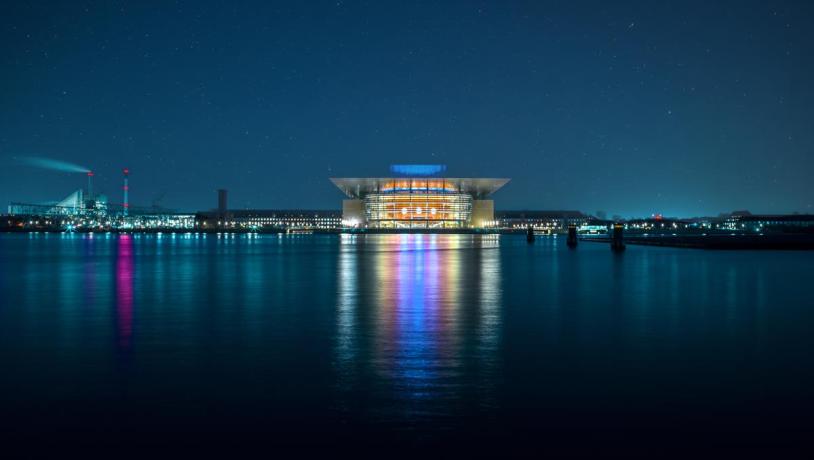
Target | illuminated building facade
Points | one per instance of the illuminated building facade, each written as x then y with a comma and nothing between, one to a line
541,221
418,202
268,219
789,223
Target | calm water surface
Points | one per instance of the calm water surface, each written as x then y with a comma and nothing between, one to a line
408,339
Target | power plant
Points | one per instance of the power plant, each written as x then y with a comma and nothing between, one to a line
82,202
87,210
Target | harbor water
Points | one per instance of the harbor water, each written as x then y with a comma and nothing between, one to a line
481,341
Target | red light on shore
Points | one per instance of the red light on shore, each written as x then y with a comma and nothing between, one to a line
90,173
126,171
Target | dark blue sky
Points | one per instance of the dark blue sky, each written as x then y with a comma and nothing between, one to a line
684,108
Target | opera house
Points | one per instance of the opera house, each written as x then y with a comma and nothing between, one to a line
418,198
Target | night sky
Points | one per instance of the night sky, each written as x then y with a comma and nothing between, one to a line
681,108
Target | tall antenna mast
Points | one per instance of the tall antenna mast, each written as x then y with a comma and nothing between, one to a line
125,189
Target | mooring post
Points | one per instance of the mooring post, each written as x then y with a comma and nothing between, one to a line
572,236
530,234
618,238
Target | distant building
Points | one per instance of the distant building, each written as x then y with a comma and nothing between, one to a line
552,221
70,205
271,219
787,223
741,213
660,224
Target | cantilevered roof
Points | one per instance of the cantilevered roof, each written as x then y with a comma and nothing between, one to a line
359,187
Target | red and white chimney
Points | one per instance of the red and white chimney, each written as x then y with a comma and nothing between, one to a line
125,190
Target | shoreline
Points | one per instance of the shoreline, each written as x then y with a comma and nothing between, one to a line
779,241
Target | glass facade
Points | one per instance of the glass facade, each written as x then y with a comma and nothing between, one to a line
418,210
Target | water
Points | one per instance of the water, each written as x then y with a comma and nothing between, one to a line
473,341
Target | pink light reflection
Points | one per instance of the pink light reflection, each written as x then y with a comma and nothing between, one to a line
124,292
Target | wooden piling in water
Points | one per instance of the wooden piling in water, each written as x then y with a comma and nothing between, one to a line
572,236
618,238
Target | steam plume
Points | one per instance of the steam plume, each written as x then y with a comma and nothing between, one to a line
56,165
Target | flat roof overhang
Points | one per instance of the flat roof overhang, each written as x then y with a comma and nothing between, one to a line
477,187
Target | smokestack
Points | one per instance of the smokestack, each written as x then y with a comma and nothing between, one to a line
222,206
125,189
90,185
222,202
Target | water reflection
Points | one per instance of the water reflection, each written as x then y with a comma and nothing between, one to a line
418,319
124,293
90,275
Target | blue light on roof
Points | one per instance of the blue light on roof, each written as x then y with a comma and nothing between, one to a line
418,170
